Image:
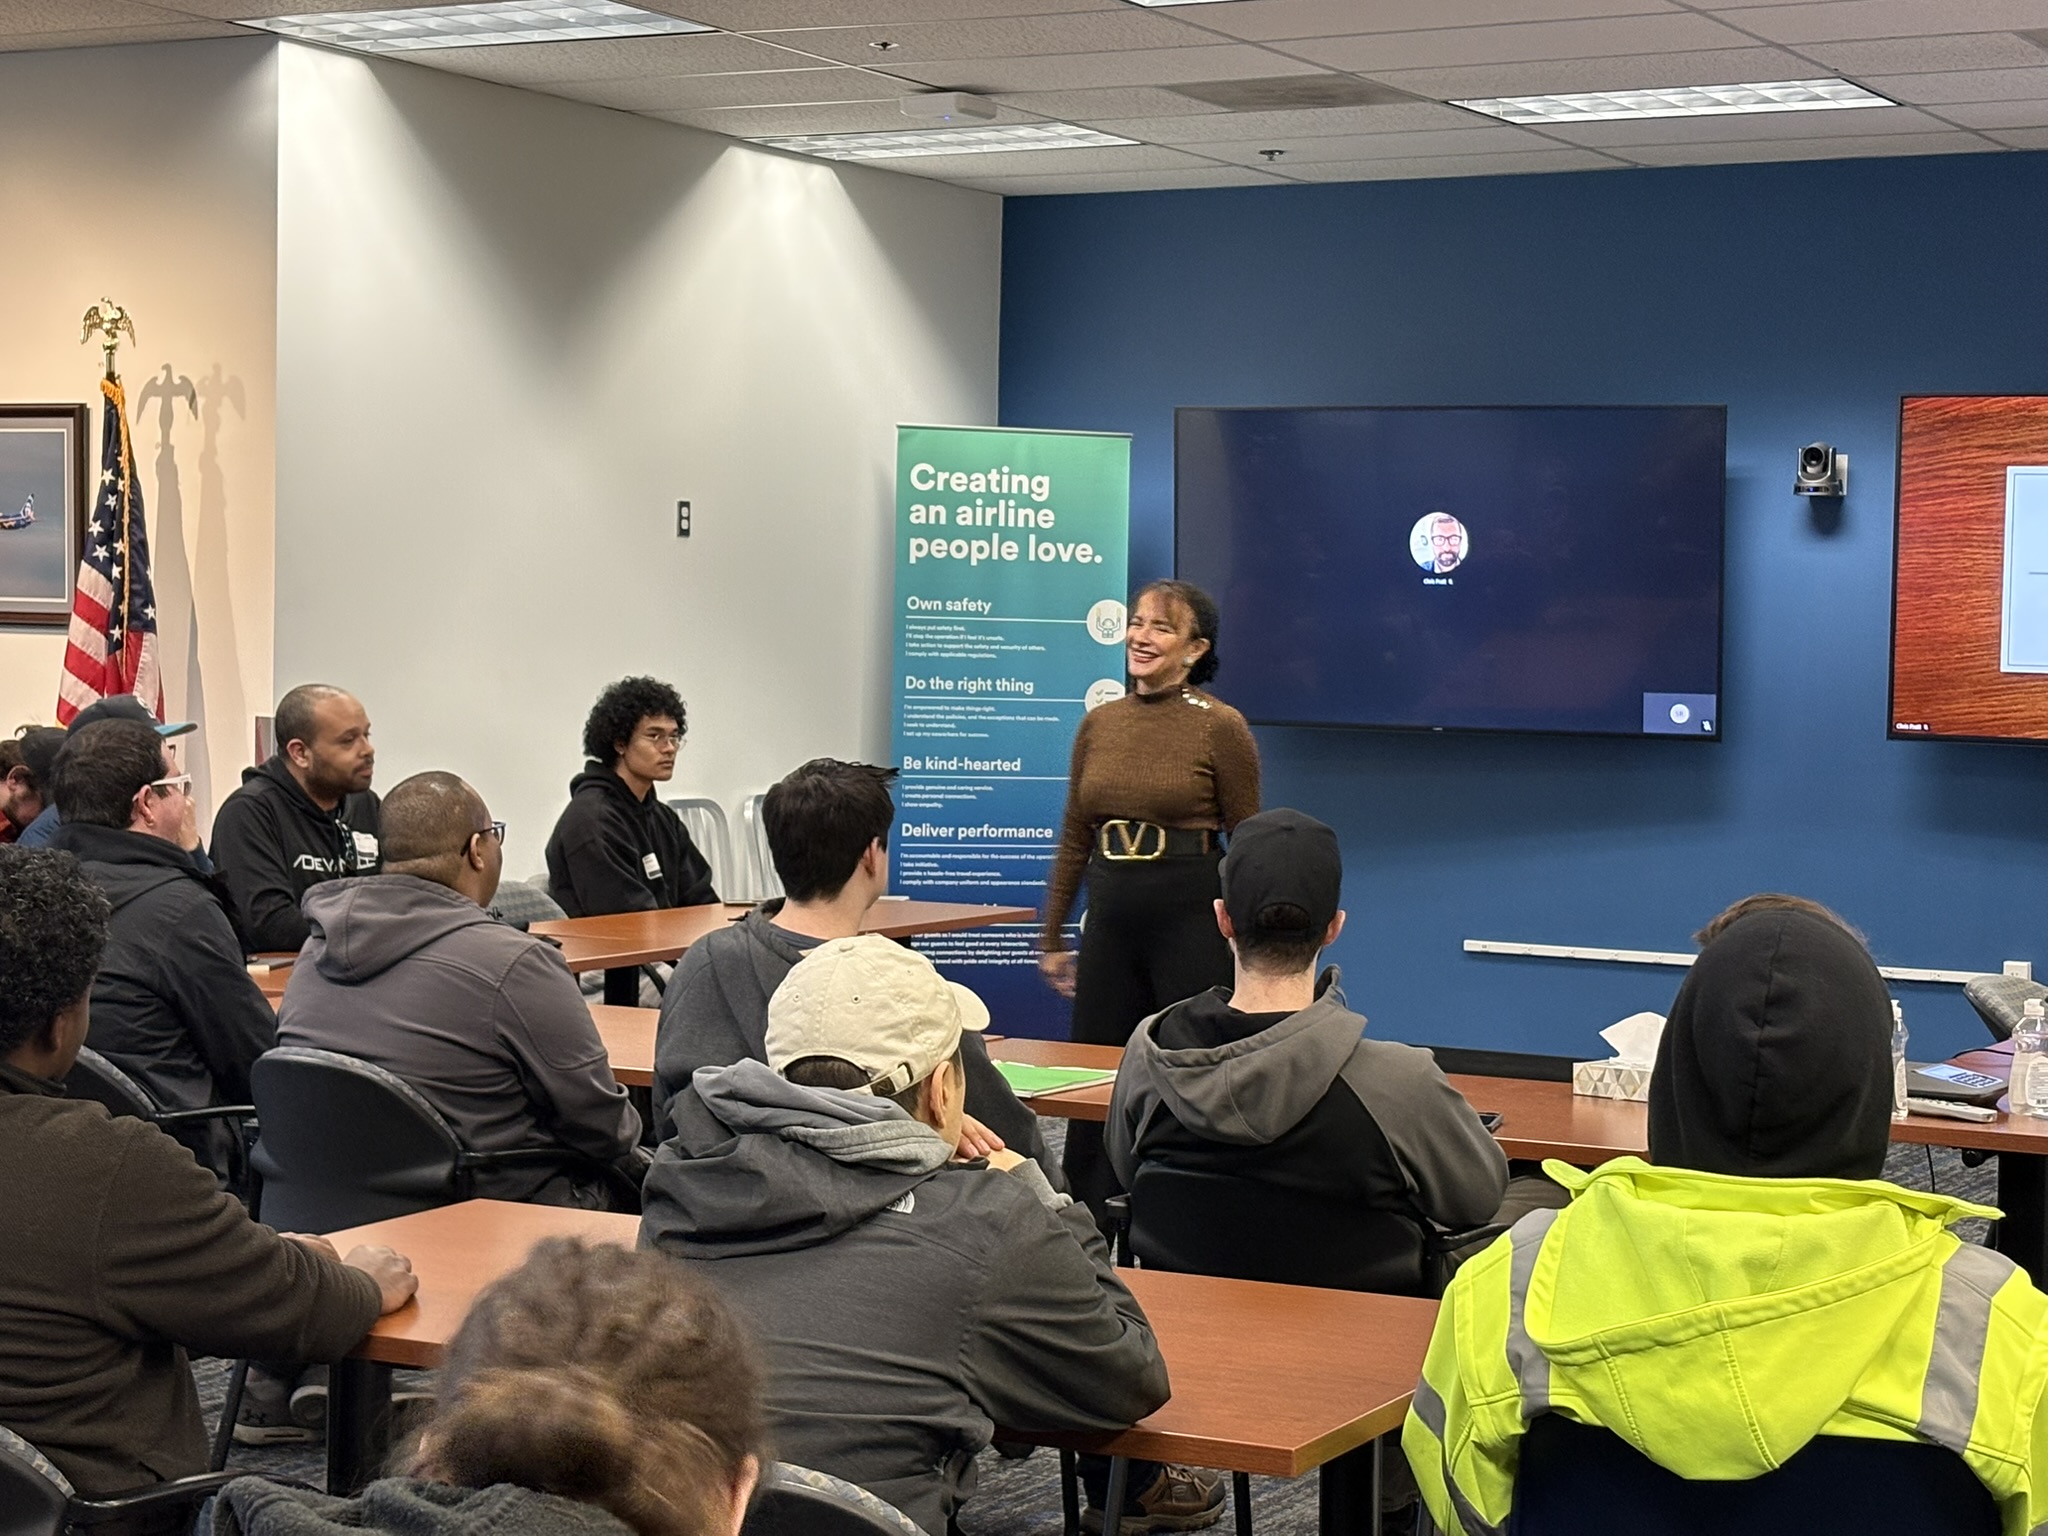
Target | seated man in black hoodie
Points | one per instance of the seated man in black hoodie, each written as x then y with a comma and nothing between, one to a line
909,1301
306,815
828,833
617,848
1273,1079
406,970
173,1005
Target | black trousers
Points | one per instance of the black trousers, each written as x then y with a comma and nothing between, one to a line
1150,940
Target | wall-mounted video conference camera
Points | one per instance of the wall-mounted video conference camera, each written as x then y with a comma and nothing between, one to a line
1823,471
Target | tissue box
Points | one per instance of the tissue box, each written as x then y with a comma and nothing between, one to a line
1613,1079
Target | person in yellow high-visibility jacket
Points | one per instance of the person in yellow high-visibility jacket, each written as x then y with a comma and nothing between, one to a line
1756,1283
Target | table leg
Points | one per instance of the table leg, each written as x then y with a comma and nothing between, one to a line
1348,1496
358,1423
622,986
2023,1196
1113,1496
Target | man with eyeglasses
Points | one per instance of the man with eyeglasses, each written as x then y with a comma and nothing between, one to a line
406,970
172,1005
617,848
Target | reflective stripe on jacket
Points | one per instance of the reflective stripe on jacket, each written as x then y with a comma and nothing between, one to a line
1717,1324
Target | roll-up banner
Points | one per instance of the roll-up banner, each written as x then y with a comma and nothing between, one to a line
1011,566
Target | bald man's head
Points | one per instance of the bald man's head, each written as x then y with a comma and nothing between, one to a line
436,827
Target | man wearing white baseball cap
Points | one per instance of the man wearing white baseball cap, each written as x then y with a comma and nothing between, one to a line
908,1301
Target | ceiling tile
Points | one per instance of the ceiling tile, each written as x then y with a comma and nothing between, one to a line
1049,162
1012,37
763,15
104,37
676,93
1863,123
2023,138
1458,47
1807,149
1082,71
81,15
1455,165
243,10
1274,20
1128,181
824,117
623,58
1278,127
1714,67
1500,139
1965,85
1110,101
1835,21
1925,55
1996,114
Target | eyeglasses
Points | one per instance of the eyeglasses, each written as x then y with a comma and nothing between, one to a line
180,783
663,738
1441,539
496,830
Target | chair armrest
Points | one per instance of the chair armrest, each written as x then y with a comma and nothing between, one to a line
171,1117
1438,1240
1119,1209
582,1164
185,1492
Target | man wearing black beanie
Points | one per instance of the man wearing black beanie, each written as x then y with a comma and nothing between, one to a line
1754,1287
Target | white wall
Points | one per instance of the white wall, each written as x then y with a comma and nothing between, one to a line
512,332
148,174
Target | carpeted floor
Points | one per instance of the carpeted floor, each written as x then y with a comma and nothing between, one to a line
1022,1498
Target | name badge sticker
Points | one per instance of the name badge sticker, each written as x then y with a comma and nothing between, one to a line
652,866
366,847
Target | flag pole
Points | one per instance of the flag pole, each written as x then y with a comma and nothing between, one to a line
111,321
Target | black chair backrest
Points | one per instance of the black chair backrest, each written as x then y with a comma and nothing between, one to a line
827,1506
98,1081
32,1502
1580,1480
1244,1229
345,1143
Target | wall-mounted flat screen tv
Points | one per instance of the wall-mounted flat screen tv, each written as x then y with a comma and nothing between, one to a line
1461,568
1970,569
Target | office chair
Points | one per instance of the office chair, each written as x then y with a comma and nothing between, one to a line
795,1501
97,1080
2000,1000
762,882
38,1500
522,903
345,1143
1580,1480
705,821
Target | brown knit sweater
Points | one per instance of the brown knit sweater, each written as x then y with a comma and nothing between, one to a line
1178,759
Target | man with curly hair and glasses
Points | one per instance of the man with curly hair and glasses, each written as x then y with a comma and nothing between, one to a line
617,848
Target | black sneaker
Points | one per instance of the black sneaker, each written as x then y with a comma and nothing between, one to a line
265,1414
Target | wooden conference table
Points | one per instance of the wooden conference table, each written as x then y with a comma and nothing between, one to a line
1272,1379
621,942
1546,1119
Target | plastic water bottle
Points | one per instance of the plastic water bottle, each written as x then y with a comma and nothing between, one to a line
1898,1061
2028,1089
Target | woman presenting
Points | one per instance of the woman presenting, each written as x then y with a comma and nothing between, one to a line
1156,777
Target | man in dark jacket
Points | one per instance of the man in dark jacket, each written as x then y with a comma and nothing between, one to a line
304,816
1273,1079
41,744
828,833
617,848
408,971
123,1252
908,1301
173,1005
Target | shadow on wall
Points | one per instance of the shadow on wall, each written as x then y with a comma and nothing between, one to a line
217,653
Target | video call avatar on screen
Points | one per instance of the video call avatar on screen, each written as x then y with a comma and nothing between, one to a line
1439,543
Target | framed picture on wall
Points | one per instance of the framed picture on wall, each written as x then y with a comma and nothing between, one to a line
42,510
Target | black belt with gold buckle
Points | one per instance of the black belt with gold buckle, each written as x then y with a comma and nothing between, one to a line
1140,842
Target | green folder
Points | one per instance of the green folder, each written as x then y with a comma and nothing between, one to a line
1028,1081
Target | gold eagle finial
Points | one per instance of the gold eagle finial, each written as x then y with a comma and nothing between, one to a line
111,321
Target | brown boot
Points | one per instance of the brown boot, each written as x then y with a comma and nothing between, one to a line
1180,1499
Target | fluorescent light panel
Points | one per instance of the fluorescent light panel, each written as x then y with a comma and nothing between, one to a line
1680,101
901,144
1156,3
474,26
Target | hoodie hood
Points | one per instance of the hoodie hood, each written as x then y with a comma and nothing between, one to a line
1252,1091
400,1507
124,865
1716,1282
759,1165
363,927
1776,1058
273,773
596,776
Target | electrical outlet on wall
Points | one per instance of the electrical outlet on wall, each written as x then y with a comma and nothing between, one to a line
2024,969
682,519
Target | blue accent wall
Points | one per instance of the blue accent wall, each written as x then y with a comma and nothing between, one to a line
1807,298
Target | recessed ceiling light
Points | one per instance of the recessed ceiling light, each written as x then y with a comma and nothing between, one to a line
1680,101
474,26
898,145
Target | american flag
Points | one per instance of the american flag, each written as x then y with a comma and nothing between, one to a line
112,645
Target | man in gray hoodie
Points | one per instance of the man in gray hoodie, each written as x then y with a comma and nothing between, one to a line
406,970
1273,1079
908,1301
